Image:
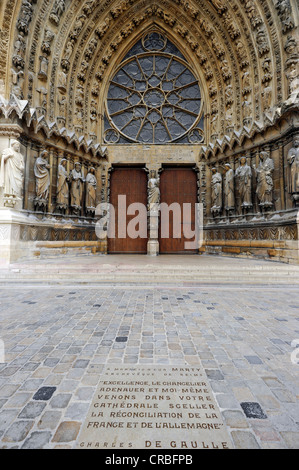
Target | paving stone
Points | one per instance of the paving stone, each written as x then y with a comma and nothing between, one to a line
8,390
253,410
291,439
6,418
253,359
214,374
18,431
37,440
32,410
244,440
81,363
44,393
235,419
67,431
49,420
77,411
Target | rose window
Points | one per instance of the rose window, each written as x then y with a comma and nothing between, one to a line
153,96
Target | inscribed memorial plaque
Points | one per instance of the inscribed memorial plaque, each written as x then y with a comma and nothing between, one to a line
153,407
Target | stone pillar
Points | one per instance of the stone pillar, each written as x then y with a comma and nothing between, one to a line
153,211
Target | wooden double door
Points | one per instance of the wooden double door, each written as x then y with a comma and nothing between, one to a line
131,183
177,185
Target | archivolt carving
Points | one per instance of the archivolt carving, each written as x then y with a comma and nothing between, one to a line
235,36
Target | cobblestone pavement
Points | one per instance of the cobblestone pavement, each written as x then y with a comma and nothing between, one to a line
58,338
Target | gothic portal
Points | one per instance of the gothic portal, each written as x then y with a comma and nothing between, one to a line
173,102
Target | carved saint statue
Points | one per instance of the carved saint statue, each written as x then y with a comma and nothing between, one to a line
57,11
12,170
229,188
293,161
77,181
153,188
42,176
216,184
243,183
264,188
62,201
91,188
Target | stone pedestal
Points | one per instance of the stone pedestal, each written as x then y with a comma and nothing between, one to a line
153,242
10,226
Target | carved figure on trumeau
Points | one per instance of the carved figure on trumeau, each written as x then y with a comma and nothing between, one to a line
62,200
77,182
243,178
264,188
42,180
12,173
293,161
153,189
229,188
216,195
91,188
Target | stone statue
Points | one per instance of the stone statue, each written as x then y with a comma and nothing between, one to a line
243,179
216,184
57,11
229,188
42,179
153,188
12,170
77,181
293,161
62,200
219,5
265,185
91,187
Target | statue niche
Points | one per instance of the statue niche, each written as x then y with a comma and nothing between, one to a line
229,189
77,181
42,181
293,176
62,200
91,188
243,185
216,195
12,174
265,184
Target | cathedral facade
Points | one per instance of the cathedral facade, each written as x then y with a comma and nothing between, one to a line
171,101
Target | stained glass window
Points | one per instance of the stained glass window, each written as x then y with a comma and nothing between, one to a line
153,96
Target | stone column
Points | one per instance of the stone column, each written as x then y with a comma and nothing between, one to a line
153,211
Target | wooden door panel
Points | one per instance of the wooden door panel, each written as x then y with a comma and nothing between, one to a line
178,185
131,182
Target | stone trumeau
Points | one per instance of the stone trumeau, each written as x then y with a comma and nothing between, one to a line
208,84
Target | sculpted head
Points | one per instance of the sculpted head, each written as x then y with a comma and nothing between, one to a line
264,155
15,144
44,154
296,141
